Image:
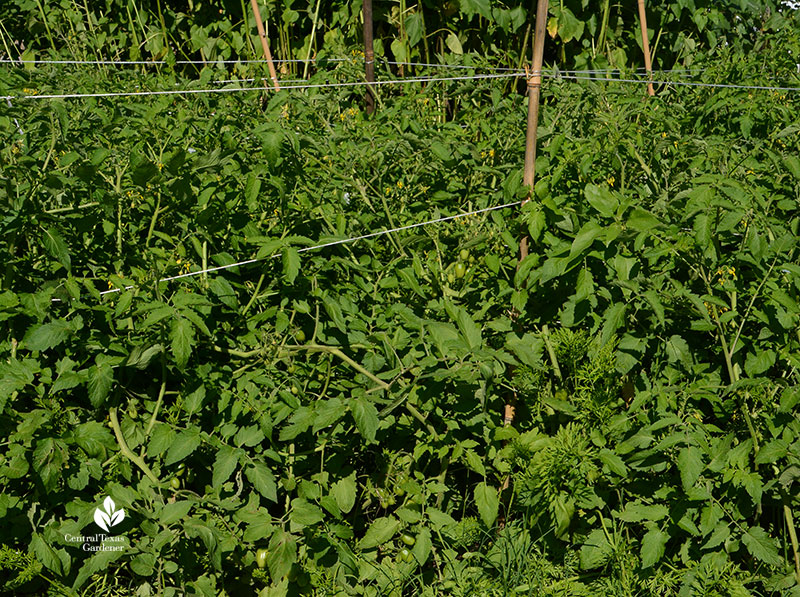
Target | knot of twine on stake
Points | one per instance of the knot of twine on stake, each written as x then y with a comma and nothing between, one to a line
534,79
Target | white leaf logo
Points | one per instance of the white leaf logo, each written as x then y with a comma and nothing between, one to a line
109,516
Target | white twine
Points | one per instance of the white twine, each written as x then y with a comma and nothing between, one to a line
558,75
300,60
684,83
265,88
321,246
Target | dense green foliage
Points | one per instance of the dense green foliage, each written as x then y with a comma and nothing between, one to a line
598,33
329,421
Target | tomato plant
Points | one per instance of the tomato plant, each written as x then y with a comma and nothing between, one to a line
336,412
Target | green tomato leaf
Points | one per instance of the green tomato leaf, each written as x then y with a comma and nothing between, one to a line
282,554
101,378
641,220
423,547
602,199
174,512
380,531
366,418
48,335
690,465
291,264
263,480
595,551
54,244
182,338
304,513
585,237
614,463
487,502
762,547
473,7
225,464
182,446
344,492
653,545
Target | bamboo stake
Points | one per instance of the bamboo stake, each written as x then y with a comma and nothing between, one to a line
534,89
265,44
529,176
646,48
369,57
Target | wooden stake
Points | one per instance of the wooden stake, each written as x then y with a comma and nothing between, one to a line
646,48
534,89
265,44
369,57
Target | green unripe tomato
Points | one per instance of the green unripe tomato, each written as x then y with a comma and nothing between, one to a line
300,336
291,368
175,483
464,254
408,540
405,555
261,558
451,278
181,469
461,269
295,391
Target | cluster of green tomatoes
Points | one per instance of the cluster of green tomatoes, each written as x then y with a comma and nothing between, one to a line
459,269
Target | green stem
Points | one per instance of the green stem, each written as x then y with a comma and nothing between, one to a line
787,513
153,219
750,306
255,294
59,210
46,25
418,416
311,39
345,358
309,348
601,39
125,450
551,352
205,263
161,393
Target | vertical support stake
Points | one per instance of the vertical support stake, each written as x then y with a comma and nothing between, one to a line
646,48
534,88
369,57
265,44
